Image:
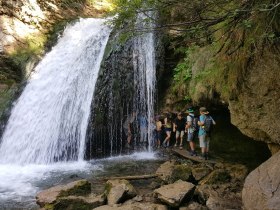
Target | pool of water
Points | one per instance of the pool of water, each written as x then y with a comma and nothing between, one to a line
19,184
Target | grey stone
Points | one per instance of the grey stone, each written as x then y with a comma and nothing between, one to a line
165,170
49,196
118,191
174,194
261,188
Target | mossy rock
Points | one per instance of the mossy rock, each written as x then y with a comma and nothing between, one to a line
83,187
200,173
218,176
72,204
77,202
182,172
118,191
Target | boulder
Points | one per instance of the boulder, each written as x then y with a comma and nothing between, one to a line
49,196
170,172
176,193
118,191
79,202
261,189
134,206
181,172
222,196
165,170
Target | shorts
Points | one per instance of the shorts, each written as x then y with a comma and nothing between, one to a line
204,141
158,135
191,136
167,129
180,133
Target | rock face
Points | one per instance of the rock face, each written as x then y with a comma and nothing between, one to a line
174,194
261,189
118,191
254,110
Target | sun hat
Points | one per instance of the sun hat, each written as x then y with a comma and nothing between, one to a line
203,110
190,110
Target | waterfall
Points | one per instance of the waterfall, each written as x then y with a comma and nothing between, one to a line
144,79
48,122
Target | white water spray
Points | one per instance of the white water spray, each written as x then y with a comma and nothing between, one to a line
49,121
145,79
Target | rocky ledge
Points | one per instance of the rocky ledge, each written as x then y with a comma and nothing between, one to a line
177,184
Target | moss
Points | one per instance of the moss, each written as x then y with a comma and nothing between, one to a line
33,46
107,188
217,177
72,204
82,188
6,97
182,172
49,206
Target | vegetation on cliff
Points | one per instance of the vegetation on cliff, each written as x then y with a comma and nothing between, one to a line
227,34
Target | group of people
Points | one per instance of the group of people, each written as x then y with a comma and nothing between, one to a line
190,126
136,130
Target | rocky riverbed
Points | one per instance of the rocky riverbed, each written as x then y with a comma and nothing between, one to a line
177,183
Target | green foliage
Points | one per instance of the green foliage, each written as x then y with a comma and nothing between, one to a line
183,70
33,46
6,95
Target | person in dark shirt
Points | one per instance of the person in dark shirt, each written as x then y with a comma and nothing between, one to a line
179,124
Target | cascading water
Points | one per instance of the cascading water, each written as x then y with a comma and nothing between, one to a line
124,95
49,121
144,79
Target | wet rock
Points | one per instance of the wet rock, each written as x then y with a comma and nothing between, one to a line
176,193
199,173
165,170
134,206
118,191
217,176
181,172
49,196
79,202
261,188
169,172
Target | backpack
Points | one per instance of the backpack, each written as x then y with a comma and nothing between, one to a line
194,124
208,124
